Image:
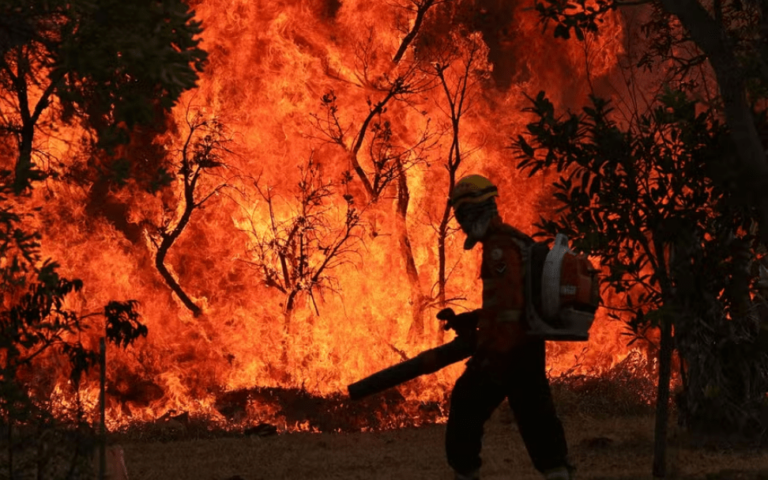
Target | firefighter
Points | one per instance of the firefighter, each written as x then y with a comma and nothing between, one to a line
506,363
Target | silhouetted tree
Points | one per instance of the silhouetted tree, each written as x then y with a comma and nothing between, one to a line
296,253
730,35
200,154
35,324
108,65
652,201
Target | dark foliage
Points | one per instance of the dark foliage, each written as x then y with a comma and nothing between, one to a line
35,327
108,66
655,201
111,65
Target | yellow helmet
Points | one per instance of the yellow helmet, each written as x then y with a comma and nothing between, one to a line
472,189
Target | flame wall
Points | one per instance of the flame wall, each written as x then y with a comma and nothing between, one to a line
270,64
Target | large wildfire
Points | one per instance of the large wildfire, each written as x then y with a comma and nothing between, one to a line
311,257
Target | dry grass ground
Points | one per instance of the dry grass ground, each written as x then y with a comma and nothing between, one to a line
608,424
602,447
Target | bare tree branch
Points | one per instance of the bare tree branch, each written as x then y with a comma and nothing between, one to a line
306,245
201,152
422,6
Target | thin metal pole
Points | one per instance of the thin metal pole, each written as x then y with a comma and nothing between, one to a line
102,408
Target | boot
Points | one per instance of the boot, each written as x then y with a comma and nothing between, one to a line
560,473
468,476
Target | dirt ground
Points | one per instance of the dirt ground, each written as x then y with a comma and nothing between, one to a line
602,448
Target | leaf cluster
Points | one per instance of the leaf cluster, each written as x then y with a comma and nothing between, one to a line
741,24
111,64
35,321
628,194
116,59
579,16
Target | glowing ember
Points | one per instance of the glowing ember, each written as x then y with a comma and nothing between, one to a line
271,64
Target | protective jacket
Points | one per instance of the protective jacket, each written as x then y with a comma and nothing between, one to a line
502,321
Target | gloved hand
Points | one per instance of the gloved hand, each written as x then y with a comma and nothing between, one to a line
464,324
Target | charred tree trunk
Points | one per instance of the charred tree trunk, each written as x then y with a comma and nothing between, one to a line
283,369
740,280
421,11
162,251
24,169
27,130
454,160
417,297
197,155
168,239
24,164
10,446
662,401
442,235
712,38
666,276
354,150
290,303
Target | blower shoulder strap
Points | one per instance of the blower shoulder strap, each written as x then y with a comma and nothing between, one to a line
516,234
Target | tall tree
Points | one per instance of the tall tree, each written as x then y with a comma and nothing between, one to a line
380,157
652,201
731,35
110,65
459,66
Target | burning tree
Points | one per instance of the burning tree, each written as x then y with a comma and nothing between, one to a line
388,160
200,155
459,66
399,83
297,251
388,153
304,241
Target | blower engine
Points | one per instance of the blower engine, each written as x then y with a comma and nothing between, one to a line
562,292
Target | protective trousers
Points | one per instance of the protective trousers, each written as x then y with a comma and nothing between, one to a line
524,383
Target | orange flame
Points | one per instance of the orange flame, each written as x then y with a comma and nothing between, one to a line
270,64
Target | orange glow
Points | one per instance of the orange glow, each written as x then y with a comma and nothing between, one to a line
270,65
